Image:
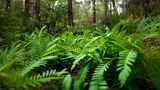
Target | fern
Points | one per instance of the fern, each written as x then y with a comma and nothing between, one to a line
10,56
17,81
90,50
80,79
67,82
152,64
77,60
126,60
35,64
97,82
48,76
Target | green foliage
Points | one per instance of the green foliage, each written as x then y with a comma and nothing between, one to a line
80,79
53,14
151,64
40,57
48,76
10,56
19,62
67,82
126,60
150,24
97,82
113,54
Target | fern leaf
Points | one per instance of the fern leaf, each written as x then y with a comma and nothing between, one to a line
31,66
77,60
91,41
10,56
67,82
78,84
98,83
46,76
126,60
35,64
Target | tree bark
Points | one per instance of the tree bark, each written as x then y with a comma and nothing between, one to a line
8,4
37,10
125,9
106,7
70,12
27,7
32,7
114,6
94,12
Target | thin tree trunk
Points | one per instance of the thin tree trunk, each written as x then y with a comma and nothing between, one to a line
70,13
110,8
32,9
27,7
94,11
37,10
8,4
126,6
114,6
106,7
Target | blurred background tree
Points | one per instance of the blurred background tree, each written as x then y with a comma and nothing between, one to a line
58,14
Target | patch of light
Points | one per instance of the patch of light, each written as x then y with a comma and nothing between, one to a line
56,3
79,0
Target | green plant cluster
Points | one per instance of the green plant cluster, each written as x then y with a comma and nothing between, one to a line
110,59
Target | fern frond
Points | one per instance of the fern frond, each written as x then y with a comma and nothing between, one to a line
10,56
126,60
80,79
97,82
35,64
46,76
77,60
67,82
91,41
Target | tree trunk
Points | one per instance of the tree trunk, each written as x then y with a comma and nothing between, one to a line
27,7
106,7
37,10
125,9
8,4
70,13
114,6
32,7
94,12
146,7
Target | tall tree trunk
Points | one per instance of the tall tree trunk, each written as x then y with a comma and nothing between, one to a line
110,8
155,4
70,12
37,10
125,9
32,7
8,4
94,12
27,7
114,6
106,7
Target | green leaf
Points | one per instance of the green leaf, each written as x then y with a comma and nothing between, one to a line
77,60
98,82
126,60
80,79
67,82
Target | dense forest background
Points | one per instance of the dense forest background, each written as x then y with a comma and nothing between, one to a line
79,44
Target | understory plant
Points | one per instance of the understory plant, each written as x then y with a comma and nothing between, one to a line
110,59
